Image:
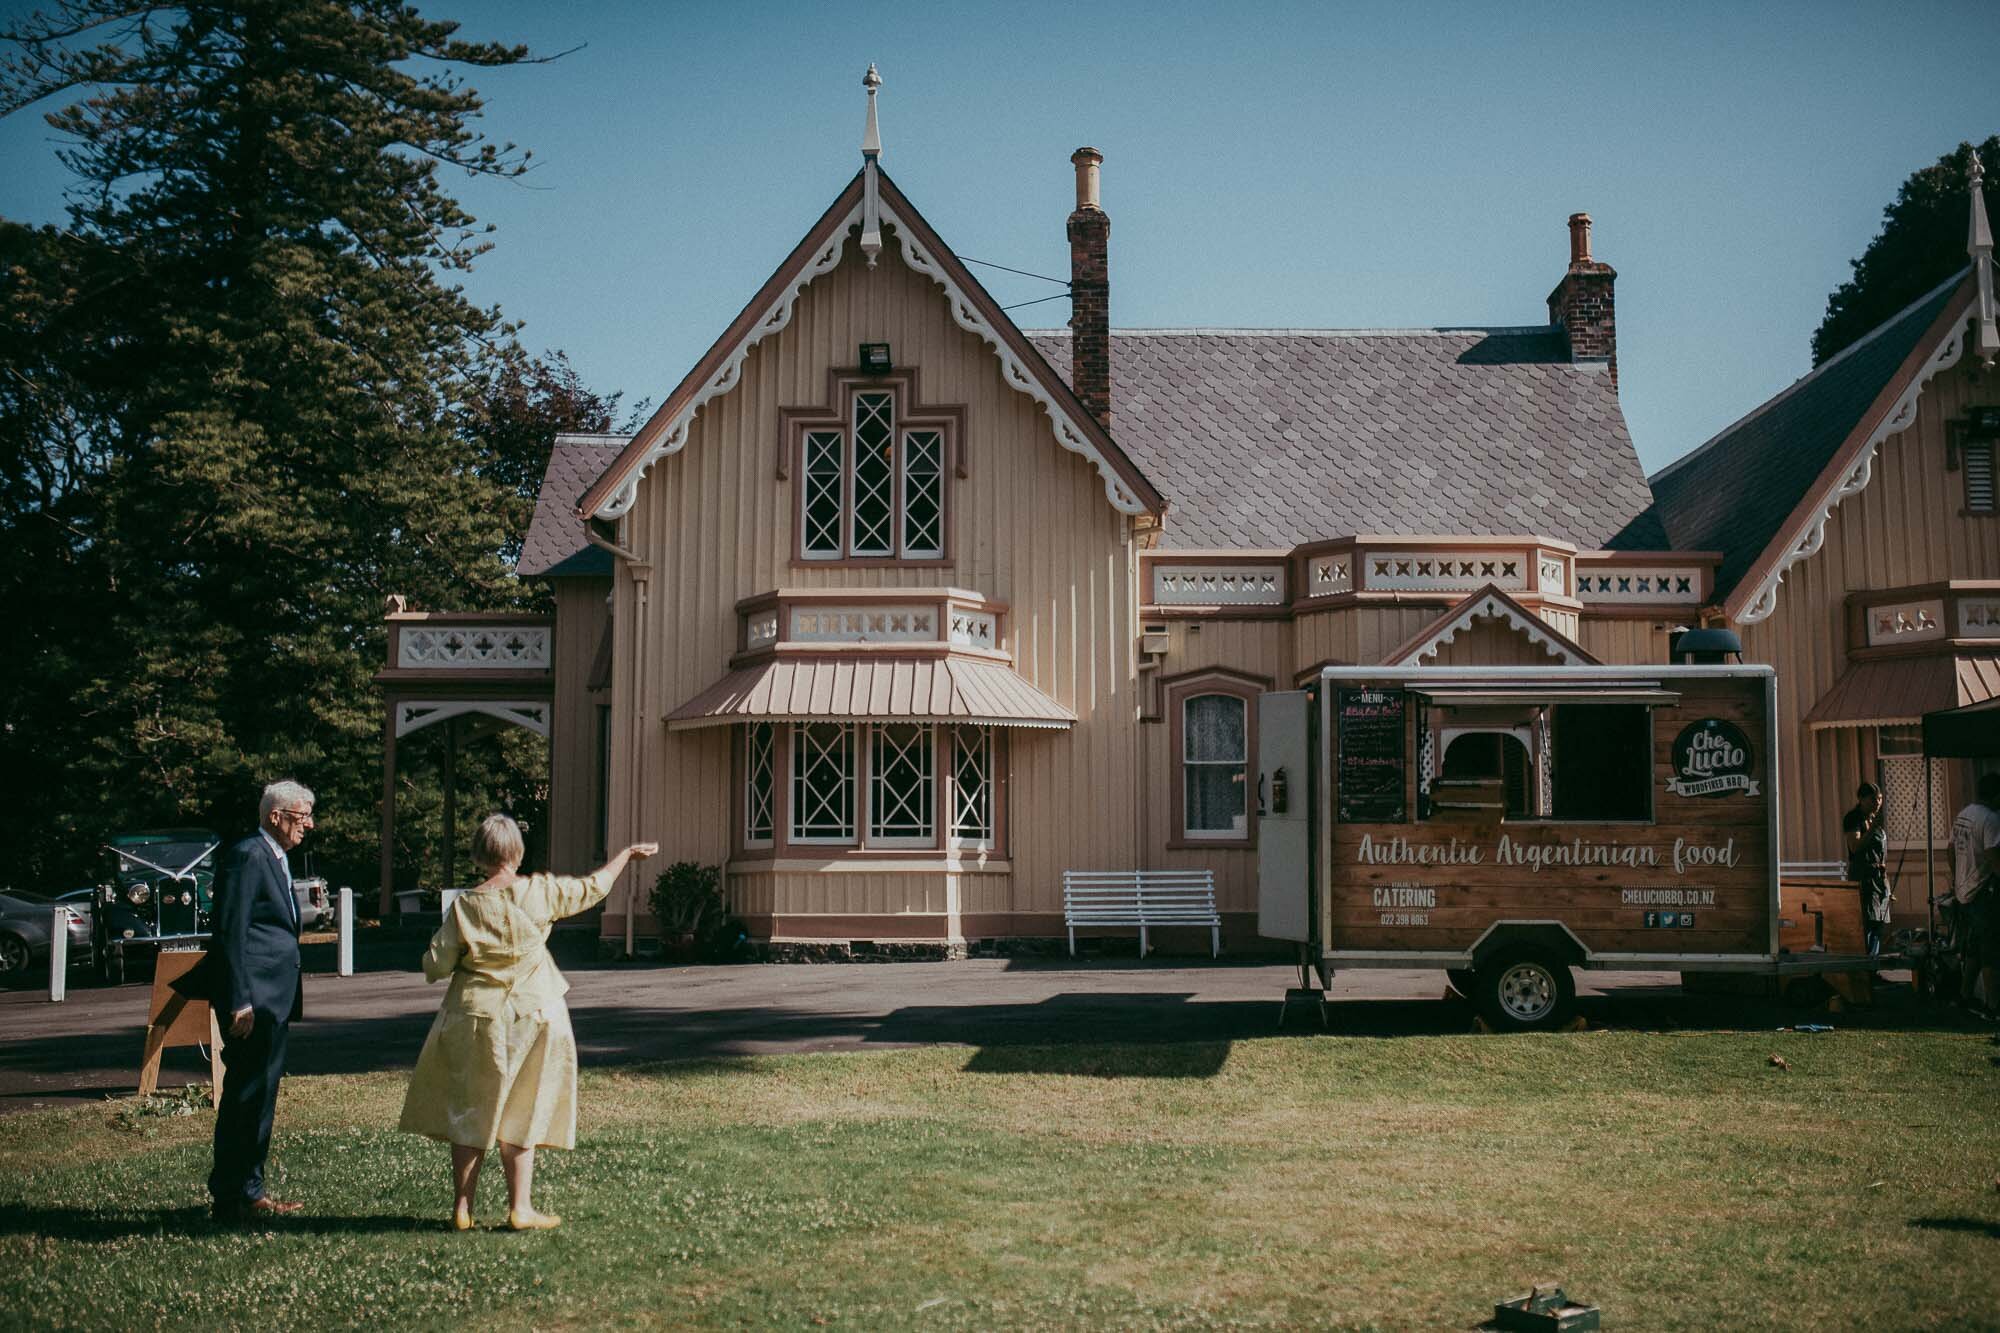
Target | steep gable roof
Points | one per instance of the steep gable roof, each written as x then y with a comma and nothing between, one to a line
1759,491
1489,604
555,546
972,309
1272,437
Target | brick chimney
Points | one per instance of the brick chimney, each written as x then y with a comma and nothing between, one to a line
1582,306
1090,291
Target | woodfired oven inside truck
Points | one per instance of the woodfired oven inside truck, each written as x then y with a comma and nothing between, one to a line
1509,823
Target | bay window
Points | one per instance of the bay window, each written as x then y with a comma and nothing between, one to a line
887,786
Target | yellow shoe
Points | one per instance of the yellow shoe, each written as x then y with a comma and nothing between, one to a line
533,1222
461,1221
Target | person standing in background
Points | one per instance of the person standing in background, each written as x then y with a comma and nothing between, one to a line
1868,861
250,976
1975,858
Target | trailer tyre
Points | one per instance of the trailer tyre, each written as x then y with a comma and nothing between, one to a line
1524,992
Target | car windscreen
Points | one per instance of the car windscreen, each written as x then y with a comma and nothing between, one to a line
167,855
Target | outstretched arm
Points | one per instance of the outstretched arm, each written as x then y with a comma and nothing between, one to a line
567,897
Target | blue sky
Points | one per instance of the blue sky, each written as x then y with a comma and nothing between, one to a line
1267,165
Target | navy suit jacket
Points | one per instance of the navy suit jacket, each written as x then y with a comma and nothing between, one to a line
253,951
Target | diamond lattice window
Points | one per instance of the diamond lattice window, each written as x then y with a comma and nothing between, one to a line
923,494
873,489
972,786
823,497
874,531
902,787
823,782
759,773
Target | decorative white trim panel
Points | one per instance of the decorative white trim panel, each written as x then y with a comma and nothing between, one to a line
1803,545
474,648
1491,608
1219,585
1330,574
963,312
1906,622
1667,585
1446,571
416,714
761,631
974,629
863,624
1552,575
1979,618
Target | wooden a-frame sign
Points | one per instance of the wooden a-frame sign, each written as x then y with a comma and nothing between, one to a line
179,1021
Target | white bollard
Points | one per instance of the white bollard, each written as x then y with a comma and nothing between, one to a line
346,954
59,956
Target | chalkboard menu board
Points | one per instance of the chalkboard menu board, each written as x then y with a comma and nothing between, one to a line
1368,769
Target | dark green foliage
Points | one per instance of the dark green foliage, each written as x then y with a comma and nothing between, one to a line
687,900
238,408
1922,243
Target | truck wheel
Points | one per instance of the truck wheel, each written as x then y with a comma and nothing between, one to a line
1524,992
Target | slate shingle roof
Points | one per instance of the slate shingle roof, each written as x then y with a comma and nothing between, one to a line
1269,438
555,545
1734,493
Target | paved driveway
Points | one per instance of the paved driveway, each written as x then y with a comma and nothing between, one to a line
89,1046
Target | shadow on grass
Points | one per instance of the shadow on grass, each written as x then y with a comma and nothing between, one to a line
1186,1060
1977,1226
92,1224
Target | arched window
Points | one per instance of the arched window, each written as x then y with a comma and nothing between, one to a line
1215,766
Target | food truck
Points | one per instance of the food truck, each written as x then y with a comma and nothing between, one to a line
1507,824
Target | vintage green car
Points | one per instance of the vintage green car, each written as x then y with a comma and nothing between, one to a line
158,896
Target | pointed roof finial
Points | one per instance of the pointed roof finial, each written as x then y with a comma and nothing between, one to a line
1979,244
871,138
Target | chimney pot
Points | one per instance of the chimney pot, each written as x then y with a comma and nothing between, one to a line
1579,239
1087,161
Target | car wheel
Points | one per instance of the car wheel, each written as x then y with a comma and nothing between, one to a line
1524,992
14,955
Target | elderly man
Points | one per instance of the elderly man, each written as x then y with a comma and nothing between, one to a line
250,976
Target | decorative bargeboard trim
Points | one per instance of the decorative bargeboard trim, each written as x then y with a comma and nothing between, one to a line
485,648
416,714
1218,585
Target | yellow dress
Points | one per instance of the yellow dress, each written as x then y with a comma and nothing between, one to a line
500,1061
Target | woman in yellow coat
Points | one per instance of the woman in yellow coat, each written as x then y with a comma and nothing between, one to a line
499,1065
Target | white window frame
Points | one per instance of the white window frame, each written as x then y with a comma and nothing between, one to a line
898,488
838,476
800,734
1190,833
753,799
981,752
926,795
905,485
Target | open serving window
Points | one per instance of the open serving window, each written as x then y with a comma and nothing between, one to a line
1510,754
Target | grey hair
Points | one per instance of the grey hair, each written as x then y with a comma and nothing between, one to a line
497,842
286,792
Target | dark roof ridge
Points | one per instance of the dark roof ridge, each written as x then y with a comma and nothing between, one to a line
1516,330
1802,381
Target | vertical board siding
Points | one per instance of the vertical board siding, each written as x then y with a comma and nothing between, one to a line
1625,642
1906,528
1357,635
574,773
1031,529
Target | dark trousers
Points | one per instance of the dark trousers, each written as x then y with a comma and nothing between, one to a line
251,1069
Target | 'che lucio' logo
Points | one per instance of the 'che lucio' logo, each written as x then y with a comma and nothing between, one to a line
1712,758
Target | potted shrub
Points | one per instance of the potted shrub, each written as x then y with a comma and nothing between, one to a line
687,905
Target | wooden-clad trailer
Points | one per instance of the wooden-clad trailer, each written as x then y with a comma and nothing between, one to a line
1510,823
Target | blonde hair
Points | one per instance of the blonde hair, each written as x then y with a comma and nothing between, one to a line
497,842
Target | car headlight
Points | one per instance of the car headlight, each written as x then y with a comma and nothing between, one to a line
140,893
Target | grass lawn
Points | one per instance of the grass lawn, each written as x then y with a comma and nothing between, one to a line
1677,1180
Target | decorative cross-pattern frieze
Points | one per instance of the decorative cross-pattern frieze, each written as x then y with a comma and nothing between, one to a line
1552,575
1906,622
1445,571
1330,574
863,624
1638,583
973,629
1979,618
762,631
482,648
1218,585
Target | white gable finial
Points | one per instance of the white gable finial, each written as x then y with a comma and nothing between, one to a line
871,149
1979,244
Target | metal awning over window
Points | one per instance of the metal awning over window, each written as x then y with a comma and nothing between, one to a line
946,689
1462,696
1900,691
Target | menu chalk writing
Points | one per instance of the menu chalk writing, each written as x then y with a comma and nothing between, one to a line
1368,772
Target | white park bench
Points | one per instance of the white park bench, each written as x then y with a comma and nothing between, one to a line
1142,898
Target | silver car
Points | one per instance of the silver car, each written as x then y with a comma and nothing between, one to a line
25,922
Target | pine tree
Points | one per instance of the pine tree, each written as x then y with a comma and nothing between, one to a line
1922,242
260,400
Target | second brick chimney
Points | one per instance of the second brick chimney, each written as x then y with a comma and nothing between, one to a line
1090,290
1582,306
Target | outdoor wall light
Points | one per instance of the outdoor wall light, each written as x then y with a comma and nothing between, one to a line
875,359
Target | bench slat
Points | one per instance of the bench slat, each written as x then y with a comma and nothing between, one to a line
1142,898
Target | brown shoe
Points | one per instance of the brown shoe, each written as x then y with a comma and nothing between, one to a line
270,1207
